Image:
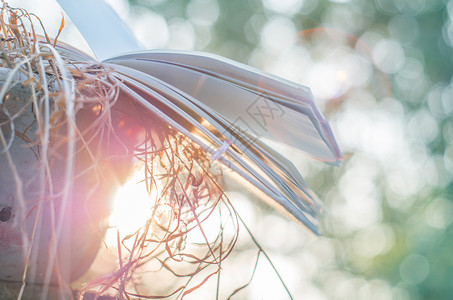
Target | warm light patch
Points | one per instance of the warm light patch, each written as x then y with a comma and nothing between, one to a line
342,75
97,109
132,206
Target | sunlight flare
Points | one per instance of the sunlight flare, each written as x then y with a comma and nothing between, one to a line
132,206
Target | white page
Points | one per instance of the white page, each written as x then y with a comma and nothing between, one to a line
104,31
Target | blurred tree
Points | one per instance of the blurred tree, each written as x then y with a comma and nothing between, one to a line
405,250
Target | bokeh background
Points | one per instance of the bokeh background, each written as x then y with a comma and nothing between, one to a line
381,71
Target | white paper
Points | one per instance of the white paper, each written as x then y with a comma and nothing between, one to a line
104,31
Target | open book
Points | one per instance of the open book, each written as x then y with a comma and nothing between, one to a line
227,108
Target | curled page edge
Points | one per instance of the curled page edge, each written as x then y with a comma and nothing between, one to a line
299,101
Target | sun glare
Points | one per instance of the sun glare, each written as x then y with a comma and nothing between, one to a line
131,209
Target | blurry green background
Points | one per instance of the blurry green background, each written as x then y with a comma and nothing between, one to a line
381,70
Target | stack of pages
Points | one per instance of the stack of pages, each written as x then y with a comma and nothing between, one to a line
225,107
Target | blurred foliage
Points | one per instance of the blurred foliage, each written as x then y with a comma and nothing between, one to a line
389,207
